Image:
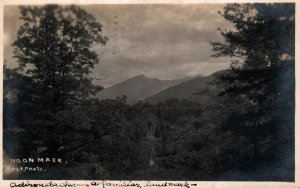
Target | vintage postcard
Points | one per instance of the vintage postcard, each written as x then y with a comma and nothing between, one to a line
149,94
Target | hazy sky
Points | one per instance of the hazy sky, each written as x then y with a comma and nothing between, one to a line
159,41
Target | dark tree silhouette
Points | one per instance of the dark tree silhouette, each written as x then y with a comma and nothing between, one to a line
262,47
53,50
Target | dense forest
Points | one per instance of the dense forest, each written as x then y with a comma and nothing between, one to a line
244,130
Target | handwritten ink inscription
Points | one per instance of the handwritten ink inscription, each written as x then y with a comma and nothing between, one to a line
102,184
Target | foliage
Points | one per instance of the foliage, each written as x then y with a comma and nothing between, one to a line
262,76
53,51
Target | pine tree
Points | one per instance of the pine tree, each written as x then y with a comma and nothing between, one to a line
261,75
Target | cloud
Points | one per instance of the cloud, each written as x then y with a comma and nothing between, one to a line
163,41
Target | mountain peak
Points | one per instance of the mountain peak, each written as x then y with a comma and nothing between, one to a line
137,88
140,76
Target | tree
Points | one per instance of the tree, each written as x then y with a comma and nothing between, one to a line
262,75
53,50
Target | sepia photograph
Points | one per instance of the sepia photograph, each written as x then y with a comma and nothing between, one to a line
152,92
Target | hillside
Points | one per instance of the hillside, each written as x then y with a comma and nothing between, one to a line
197,89
138,88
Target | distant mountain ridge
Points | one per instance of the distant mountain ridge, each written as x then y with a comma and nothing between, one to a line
196,89
138,88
